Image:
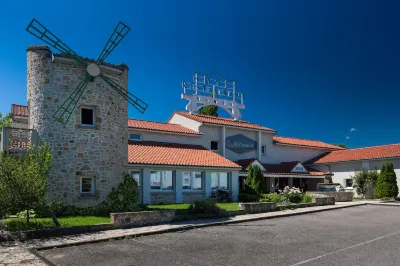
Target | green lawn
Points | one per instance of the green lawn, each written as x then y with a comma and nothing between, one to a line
182,207
16,224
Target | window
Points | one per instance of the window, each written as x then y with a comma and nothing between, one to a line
349,182
214,145
87,185
161,180
134,137
192,181
87,117
220,181
136,176
263,149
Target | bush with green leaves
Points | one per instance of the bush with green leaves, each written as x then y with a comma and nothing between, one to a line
386,186
272,197
24,214
24,179
255,180
306,198
292,195
364,180
204,207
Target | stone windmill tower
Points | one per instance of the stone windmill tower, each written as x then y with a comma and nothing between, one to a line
80,107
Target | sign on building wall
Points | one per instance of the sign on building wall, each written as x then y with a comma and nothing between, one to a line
240,144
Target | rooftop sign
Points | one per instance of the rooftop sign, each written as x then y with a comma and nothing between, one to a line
212,89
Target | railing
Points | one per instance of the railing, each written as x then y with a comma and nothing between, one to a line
17,140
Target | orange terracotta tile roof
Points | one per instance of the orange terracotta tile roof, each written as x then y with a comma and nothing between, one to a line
207,119
305,143
376,152
161,153
19,110
158,126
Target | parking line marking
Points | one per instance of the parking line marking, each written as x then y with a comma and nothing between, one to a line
344,249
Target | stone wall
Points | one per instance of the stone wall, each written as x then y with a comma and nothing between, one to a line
142,218
190,197
162,197
339,196
322,201
258,207
99,152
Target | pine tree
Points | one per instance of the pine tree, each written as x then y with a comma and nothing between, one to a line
258,180
386,186
249,179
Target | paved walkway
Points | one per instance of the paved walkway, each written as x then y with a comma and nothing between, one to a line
21,254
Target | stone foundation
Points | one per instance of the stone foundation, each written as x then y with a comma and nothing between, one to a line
339,196
142,218
190,197
163,197
322,201
258,207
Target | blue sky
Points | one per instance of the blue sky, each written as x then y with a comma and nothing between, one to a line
309,69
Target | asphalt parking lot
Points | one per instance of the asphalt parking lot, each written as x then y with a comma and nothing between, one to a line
364,235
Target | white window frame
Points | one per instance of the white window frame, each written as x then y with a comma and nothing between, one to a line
161,180
192,177
140,136
345,182
228,180
92,192
217,145
94,116
265,149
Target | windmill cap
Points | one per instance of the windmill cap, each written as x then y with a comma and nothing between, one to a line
124,66
32,48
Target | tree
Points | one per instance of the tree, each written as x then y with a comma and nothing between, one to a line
249,179
24,179
5,121
342,145
386,185
255,179
211,110
364,180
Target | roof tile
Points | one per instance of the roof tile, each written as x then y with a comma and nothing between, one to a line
161,153
305,142
158,126
207,119
19,110
376,152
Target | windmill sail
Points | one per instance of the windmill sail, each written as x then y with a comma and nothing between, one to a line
119,33
136,102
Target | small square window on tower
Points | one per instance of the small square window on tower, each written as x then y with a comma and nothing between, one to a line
87,117
214,145
263,149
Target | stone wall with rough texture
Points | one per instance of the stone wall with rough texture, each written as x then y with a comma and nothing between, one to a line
322,201
339,196
142,218
100,152
190,197
162,197
258,207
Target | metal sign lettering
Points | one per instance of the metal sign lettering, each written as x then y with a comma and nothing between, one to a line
212,89
240,144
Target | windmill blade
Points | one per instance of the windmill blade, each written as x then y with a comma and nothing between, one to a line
67,108
38,30
119,33
139,105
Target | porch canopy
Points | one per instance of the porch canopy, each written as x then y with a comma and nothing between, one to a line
292,174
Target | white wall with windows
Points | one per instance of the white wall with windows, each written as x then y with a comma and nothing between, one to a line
180,180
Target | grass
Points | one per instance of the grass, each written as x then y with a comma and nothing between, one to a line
182,208
17,224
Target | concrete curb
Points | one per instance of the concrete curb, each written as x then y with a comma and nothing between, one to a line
191,226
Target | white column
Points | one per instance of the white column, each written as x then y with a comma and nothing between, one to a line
235,186
178,186
259,146
146,186
207,183
223,140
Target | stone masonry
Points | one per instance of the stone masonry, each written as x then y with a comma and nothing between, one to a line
100,152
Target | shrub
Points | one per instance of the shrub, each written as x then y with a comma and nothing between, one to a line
292,195
245,197
124,198
306,198
386,186
364,180
23,214
204,207
272,197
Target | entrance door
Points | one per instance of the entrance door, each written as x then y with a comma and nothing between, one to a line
136,175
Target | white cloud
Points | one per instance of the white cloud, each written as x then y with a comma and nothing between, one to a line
352,129
347,137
